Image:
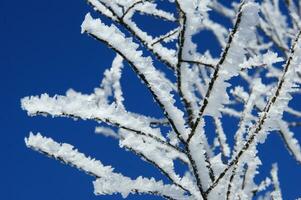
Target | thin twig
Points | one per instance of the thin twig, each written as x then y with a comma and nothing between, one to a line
259,125
216,72
138,132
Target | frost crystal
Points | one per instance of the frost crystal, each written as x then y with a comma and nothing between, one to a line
254,80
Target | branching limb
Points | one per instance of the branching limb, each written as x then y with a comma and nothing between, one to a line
232,48
168,58
285,81
172,177
181,43
77,108
104,174
166,37
143,67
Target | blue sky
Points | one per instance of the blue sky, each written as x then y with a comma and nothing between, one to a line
41,51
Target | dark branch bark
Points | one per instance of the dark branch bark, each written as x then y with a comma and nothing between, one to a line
97,177
148,46
216,72
199,63
259,125
143,78
233,173
130,8
181,43
290,150
165,36
157,166
177,149
187,104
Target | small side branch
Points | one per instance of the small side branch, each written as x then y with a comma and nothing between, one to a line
141,39
110,122
104,174
216,72
259,125
181,43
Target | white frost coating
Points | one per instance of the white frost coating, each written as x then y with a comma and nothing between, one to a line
288,86
293,111
239,92
157,84
151,8
66,153
258,89
125,186
167,54
274,23
209,173
198,146
193,12
291,142
188,77
250,158
227,12
163,52
264,184
108,132
110,85
107,182
222,137
114,5
234,58
190,6
163,156
262,60
168,37
217,164
251,172
276,194
86,107
102,9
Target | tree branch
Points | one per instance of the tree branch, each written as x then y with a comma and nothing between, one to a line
259,125
181,43
145,43
69,156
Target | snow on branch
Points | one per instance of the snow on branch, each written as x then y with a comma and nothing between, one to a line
276,194
108,132
76,105
156,83
107,181
201,95
164,54
230,60
274,108
151,9
232,57
273,23
284,131
291,142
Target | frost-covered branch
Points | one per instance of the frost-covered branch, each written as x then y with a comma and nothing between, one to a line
143,66
274,107
78,106
162,53
200,94
226,69
104,174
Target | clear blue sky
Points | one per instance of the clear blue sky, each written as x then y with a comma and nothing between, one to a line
42,50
